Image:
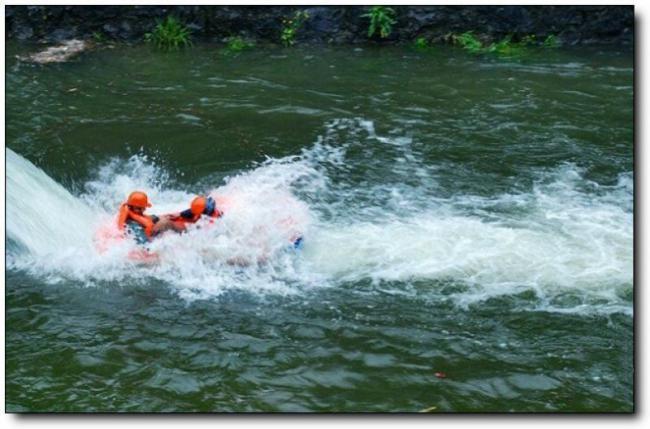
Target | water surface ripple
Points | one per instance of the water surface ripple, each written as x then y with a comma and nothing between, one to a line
468,227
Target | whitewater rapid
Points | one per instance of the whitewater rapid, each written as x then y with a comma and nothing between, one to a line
564,236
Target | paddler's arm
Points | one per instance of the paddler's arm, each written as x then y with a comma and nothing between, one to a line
166,223
185,214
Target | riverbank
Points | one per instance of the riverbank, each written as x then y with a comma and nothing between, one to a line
336,25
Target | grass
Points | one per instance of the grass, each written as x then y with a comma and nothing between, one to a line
382,19
169,35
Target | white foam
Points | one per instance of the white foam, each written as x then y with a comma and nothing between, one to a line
247,248
565,235
42,217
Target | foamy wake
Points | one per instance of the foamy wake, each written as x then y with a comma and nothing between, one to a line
566,235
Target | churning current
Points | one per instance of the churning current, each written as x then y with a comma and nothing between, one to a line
467,229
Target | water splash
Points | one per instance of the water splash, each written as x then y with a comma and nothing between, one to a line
247,248
564,235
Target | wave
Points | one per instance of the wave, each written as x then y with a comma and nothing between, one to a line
563,235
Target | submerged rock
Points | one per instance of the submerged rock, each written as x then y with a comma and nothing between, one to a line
59,53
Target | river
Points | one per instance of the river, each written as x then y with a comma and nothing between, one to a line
467,227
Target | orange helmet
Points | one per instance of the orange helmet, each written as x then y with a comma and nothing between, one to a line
138,199
198,205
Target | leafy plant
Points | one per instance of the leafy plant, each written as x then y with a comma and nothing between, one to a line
98,37
505,47
381,18
238,44
469,42
291,26
551,42
169,34
421,43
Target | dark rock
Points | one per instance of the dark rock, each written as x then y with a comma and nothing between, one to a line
61,34
195,27
126,32
333,24
110,29
23,32
324,21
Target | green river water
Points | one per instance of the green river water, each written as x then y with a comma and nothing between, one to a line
467,225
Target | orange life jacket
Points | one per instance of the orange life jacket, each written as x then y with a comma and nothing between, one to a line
126,214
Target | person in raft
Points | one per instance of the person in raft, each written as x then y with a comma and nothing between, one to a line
200,206
143,228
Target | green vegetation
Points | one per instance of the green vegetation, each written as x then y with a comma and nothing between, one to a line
98,37
169,34
506,47
291,26
381,18
237,44
421,43
551,42
468,41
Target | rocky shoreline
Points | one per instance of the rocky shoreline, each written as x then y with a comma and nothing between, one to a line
572,25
